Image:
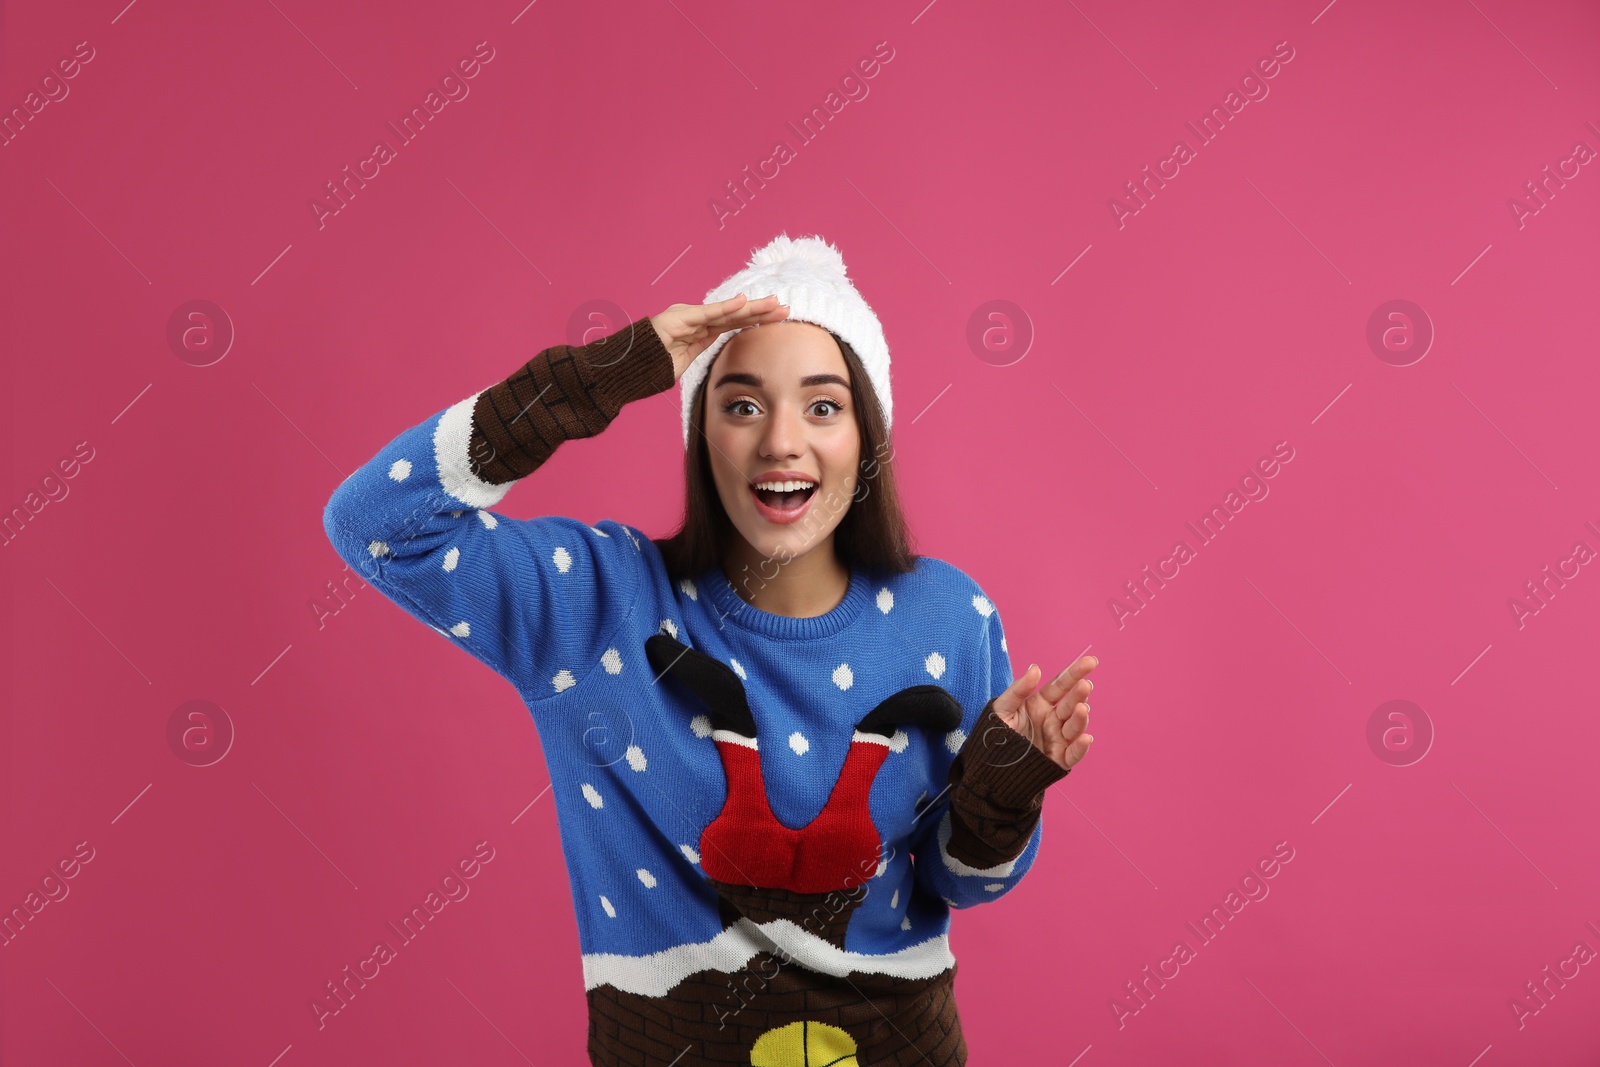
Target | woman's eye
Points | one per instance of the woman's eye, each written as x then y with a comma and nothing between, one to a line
731,407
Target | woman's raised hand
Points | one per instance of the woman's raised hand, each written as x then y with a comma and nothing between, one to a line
686,330
1053,719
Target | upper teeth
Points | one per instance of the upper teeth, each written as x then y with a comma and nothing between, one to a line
784,487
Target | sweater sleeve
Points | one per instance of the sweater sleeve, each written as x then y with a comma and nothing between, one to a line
534,599
977,841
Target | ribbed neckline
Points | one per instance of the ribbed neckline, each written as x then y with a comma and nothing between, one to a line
739,612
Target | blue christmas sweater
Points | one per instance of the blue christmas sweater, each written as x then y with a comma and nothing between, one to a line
766,820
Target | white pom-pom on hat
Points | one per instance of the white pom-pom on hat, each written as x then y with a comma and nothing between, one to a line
808,274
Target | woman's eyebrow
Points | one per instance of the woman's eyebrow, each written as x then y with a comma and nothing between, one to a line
755,381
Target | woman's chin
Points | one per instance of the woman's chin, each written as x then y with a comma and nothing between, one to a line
784,548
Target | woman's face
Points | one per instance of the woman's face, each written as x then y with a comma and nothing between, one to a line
778,403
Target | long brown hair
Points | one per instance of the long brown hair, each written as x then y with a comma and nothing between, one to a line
873,534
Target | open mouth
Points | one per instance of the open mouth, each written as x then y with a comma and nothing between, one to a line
783,501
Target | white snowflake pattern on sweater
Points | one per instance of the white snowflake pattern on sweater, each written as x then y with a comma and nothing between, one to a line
561,609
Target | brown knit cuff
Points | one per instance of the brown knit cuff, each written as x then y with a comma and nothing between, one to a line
563,393
997,784
1003,767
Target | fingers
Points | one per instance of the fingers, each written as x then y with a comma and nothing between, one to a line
1061,735
777,314
1067,733
1071,681
1060,707
704,322
737,310
1057,726
1018,691
1074,680
755,313
1051,726
1066,710
1074,720
1061,697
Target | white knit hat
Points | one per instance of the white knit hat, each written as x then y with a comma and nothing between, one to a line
808,274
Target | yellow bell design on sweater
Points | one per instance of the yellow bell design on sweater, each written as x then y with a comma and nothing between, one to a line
804,1044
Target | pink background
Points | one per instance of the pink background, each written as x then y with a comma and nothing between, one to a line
1229,314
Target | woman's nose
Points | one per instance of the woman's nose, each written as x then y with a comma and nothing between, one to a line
785,432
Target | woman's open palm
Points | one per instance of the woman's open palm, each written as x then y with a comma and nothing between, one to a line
686,330
1053,718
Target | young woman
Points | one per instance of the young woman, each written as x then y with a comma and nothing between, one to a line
781,746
